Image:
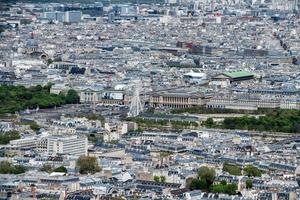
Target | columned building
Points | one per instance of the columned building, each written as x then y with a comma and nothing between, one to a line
253,102
177,99
106,97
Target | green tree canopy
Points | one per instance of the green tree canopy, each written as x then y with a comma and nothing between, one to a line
46,168
275,120
224,188
232,169
17,98
156,179
162,179
6,137
60,169
72,97
209,123
252,171
249,183
7,168
87,165
231,189
159,179
198,184
207,174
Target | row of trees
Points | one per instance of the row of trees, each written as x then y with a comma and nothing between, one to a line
205,110
155,123
7,168
206,182
84,164
159,179
6,137
17,98
224,187
276,121
32,124
252,171
232,169
49,168
206,179
249,170
279,123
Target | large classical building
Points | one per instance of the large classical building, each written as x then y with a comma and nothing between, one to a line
225,79
238,76
105,97
176,98
253,102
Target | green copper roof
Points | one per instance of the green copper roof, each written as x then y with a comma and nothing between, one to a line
238,74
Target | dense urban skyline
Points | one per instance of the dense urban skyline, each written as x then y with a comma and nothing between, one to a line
174,99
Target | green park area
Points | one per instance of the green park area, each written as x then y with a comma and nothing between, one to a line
152,123
273,120
278,120
18,98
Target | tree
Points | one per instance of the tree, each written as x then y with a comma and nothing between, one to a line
48,86
224,188
162,179
219,188
156,179
7,168
6,137
223,182
60,169
209,123
87,165
251,170
232,169
207,174
18,169
277,120
46,168
34,126
17,98
249,183
188,182
231,189
49,61
72,97
198,184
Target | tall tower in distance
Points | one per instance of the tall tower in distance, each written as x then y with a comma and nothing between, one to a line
136,106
